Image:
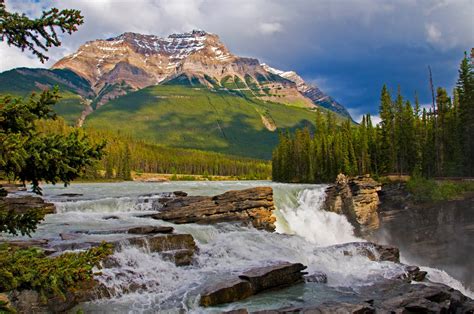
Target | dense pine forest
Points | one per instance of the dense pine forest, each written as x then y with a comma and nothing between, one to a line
426,141
124,154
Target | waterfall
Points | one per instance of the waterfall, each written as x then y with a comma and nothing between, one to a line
308,220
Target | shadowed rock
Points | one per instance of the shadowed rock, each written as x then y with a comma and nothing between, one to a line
356,198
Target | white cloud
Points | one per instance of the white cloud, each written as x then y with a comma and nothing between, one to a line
11,58
270,28
433,33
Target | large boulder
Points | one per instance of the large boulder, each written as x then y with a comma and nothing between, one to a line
373,251
251,282
357,198
253,206
392,296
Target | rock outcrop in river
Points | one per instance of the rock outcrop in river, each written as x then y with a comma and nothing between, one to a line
253,206
253,281
356,198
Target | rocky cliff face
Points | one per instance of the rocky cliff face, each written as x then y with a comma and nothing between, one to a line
311,92
194,58
357,198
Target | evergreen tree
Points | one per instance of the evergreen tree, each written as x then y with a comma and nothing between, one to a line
465,90
386,132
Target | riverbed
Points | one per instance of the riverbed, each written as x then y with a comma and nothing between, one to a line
303,234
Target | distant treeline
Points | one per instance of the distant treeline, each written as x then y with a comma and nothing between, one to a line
429,142
124,154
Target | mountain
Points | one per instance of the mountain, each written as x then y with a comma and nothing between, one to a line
186,90
310,91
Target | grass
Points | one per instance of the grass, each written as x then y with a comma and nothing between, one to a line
427,190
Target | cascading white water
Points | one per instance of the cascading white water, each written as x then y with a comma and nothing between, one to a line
303,232
311,222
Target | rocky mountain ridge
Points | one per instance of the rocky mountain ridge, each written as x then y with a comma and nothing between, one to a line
132,61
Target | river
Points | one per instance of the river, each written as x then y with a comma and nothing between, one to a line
303,232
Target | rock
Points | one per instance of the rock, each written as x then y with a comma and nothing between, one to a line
275,276
150,229
318,277
70,194
325,308
394,296
23,204
182,257
29,301
24,244
227,291
251,282
5,304
357,198
69,236
414,273
134,230
374,251
180,193
12,188
254,206
110,217
163,242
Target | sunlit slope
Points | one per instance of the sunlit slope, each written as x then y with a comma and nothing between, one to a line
180,116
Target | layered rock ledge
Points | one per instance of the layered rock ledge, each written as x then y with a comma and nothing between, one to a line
253,206
356,198
253,281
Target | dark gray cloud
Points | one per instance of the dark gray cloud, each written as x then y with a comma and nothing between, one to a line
349,48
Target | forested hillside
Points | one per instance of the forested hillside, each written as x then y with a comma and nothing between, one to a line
124,154
432,142
200,118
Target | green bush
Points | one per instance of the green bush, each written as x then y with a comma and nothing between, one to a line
31,269
425,190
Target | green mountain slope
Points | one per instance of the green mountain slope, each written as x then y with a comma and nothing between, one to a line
73,89
200,118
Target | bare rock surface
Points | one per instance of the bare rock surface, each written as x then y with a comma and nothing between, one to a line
253,281
23,204
357,198
374,251
253,206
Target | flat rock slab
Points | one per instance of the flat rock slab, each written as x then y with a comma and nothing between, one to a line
275,276
253,206
23,204
228,291
144,230
253,281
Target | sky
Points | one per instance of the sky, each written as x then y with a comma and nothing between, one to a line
348,48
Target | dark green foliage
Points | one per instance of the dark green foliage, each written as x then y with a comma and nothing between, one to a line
37,35
24,224
427,190
432,143
124,153
30,269
32,156
465,93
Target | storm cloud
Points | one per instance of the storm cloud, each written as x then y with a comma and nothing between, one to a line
348,48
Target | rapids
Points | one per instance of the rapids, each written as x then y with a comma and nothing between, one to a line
303,234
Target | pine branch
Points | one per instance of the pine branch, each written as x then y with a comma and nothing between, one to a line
37,35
